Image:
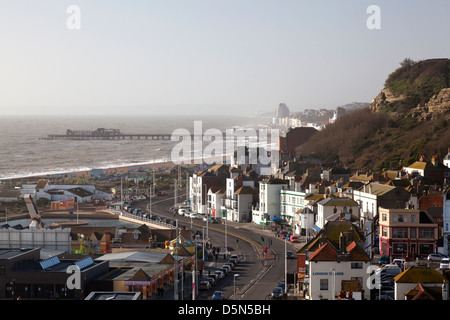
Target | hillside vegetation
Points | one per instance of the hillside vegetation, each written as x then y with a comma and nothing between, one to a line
388,134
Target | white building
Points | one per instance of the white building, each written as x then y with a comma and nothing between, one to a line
238,198
446,160
54,192
446,221
269,205
329,269
199,185
292,203
215,201
331,206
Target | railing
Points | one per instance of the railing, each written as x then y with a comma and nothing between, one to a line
141,218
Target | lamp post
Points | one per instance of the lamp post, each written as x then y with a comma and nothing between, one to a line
334,284
234,285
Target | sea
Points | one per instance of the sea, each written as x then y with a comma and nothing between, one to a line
24,154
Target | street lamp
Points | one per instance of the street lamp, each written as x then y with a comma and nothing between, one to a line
234,285
334,283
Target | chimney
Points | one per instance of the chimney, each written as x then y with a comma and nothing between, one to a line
342,241
350,235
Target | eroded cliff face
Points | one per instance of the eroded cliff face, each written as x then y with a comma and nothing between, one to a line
438,107
384,98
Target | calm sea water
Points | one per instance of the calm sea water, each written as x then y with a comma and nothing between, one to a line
22,154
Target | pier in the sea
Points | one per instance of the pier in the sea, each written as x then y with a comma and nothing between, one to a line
105,134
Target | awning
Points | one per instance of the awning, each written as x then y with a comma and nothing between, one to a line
316,228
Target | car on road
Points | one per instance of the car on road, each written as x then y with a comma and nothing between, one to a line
210,219
290,255
384,259
193,215
282,234
390,269
444,264
277,293
182,212
227,267
220,273
217,295
211,280
436,256
204,285
231,265
234,256
282,286
399,262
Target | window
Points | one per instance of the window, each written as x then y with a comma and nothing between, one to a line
413,218
399,233
399,248
384,232
323,284
384,217
413,233
356,265
400,218
426,233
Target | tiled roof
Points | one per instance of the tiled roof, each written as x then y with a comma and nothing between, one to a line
245,190
418,165
419,274
340,202
325,253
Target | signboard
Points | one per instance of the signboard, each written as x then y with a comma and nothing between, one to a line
301,264
65,204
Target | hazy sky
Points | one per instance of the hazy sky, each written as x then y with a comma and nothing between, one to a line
212,56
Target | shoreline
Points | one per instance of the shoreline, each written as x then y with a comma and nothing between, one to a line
121,169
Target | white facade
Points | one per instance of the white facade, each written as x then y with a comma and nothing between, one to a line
269,202
214,203
446,221
325,210
325,277
291,203
52,239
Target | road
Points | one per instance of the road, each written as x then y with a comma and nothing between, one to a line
258,274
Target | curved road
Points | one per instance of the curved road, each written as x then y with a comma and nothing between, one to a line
257,276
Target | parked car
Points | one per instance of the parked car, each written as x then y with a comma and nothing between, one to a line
225,266
217,295
230,265
204,285
211,280
282,286
182,212
436,256
193,215
290,255
282,234
392,269
277,293
399,262
444,264
384,259
294,239
220,273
